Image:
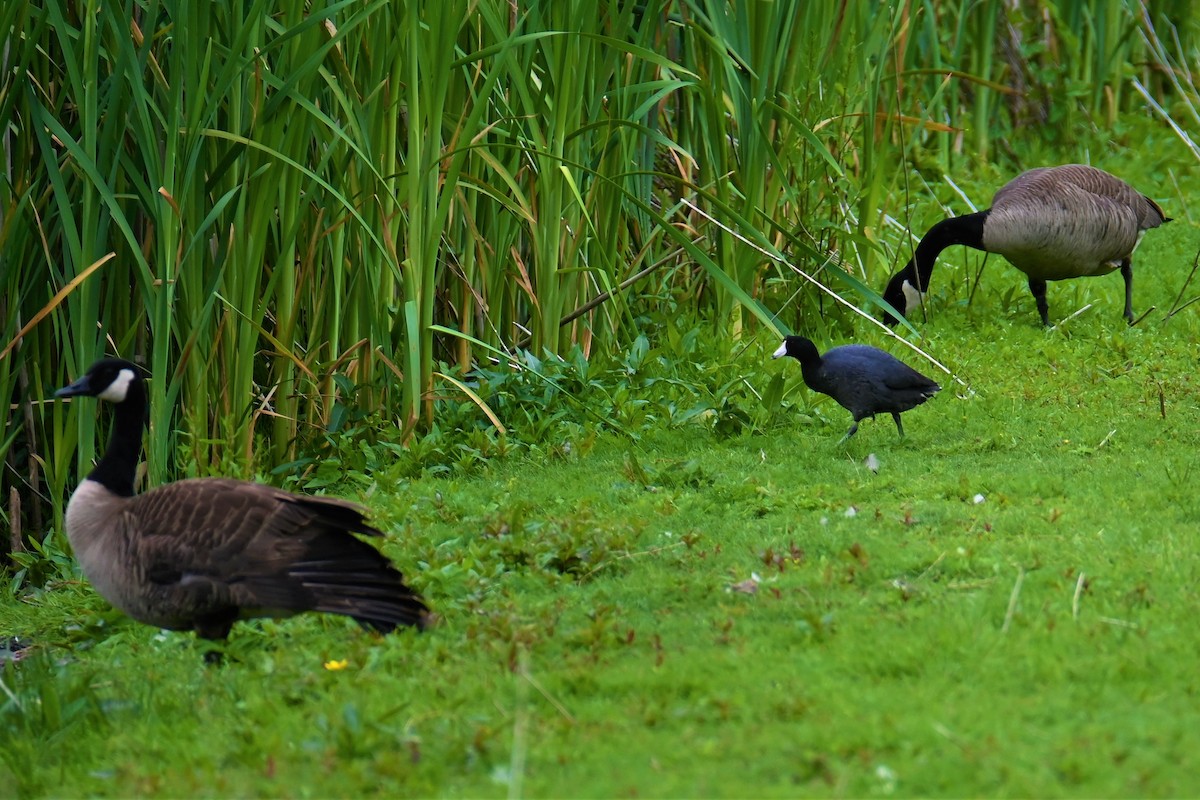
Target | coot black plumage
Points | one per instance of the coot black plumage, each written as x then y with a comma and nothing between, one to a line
864,380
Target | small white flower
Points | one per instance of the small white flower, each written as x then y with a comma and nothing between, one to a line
887,777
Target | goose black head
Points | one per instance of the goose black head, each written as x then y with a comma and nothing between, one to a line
108,379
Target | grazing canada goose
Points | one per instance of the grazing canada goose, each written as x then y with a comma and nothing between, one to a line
202,553
864,380
1051,223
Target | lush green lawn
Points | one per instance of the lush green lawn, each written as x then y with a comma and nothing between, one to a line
1008,607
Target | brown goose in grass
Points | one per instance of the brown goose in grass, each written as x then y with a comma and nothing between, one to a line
1051,223
202,553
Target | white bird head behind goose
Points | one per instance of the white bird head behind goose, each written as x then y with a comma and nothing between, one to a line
1052,223
202,553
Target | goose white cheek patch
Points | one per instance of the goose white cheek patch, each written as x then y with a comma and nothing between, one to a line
116,391
912,298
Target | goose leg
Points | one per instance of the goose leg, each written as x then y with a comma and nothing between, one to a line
1127,274
1038,290
215,626
899,427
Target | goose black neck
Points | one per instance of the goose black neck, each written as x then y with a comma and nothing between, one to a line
965,230
117,468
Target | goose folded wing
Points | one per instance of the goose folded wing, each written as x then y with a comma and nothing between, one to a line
213,544
259,551
199,573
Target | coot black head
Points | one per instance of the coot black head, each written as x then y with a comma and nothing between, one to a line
798,348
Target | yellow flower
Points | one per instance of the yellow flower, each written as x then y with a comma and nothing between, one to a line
334,666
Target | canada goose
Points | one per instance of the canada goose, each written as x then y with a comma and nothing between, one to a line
202,553
864,380
1051,223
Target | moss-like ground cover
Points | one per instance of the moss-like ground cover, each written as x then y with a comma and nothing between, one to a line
1008,606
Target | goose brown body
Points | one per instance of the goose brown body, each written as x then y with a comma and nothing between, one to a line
1052,223
200,554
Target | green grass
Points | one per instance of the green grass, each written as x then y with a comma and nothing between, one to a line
594,640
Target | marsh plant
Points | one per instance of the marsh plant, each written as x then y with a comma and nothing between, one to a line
286,210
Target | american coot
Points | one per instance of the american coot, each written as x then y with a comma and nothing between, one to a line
864,380
1051,223
200,554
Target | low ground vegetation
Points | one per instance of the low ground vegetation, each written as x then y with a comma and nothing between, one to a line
667,578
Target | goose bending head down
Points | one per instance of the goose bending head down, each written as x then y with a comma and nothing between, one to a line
1051,223
864,380
202,553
